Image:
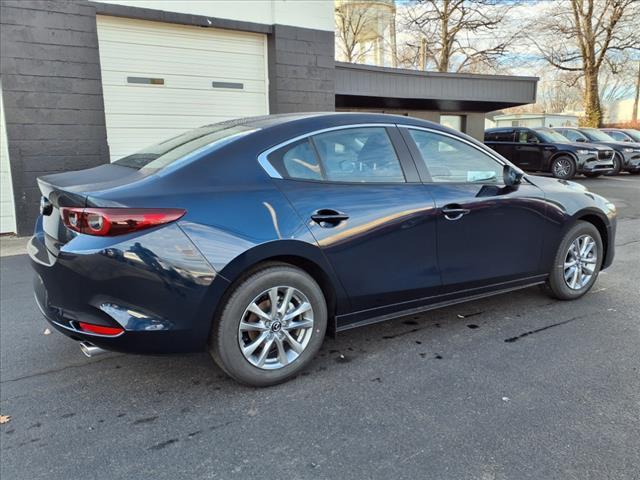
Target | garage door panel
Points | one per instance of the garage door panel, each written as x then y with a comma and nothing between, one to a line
200,64
187,59
195,38
203,117
159,102
118,80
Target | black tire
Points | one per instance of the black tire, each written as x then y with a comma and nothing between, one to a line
617,165
556,286
224,344
563,167
592,175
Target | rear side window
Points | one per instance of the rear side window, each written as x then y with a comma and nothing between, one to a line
355,155
501,136
297,160
451,160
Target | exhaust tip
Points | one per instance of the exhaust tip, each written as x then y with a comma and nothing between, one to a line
90,350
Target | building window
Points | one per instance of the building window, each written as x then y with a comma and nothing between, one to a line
457,122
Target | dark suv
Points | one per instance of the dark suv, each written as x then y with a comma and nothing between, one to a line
627,154
623,134
544,150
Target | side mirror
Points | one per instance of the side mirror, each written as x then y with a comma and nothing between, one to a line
511,176
581,140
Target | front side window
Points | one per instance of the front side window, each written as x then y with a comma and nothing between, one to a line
619,136
574,136
527,136
451,160
360,155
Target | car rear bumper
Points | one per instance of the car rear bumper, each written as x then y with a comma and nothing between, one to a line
155,285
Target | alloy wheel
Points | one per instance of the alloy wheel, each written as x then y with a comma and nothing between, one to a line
276,328
562,168
580,262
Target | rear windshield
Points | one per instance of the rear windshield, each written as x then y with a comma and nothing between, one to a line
163,154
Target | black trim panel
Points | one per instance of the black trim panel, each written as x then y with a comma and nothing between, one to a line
515,285
141,13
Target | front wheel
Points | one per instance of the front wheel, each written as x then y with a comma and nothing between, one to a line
617,165
563,168
577,262
271,327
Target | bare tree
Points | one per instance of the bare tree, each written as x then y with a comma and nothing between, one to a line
456,35
354,24
581,35
634,115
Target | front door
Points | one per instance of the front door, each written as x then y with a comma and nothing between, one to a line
488,233
358,191
529,151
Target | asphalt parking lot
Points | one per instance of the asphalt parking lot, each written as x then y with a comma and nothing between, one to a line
512,387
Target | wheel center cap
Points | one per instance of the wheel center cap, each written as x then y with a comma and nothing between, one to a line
276,326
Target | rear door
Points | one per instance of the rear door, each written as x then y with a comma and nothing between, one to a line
358,190
502,141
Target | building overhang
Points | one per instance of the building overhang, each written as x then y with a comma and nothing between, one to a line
364,86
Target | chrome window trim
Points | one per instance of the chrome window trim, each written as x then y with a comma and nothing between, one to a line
456,137
273,173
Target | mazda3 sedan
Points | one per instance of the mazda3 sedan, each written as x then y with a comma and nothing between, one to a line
254,238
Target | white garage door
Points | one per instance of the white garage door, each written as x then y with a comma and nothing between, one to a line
7,210
161,79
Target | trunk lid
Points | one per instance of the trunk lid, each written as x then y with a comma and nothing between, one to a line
72,189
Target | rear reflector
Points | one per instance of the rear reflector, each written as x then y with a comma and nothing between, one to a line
100,329
106,222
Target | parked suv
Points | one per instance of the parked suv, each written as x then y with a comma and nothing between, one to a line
627,155
623,134
544,150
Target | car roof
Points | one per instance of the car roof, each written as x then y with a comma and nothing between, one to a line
339,118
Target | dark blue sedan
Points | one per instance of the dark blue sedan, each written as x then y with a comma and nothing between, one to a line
256,237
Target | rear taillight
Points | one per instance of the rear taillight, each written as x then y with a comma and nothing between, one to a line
100,329
117,221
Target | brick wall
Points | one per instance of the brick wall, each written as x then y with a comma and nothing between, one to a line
52,94
301,70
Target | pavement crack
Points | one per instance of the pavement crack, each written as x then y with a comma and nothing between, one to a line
531,332
627,243
57,370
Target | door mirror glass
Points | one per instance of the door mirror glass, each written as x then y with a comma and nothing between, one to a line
511,176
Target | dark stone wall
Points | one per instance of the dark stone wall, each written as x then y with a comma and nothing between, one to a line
52,92
301,70
52,88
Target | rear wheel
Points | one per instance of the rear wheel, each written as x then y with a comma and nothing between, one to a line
271,326
563,168
577,263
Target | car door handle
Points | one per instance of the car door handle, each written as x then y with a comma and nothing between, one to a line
454,212
329,218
